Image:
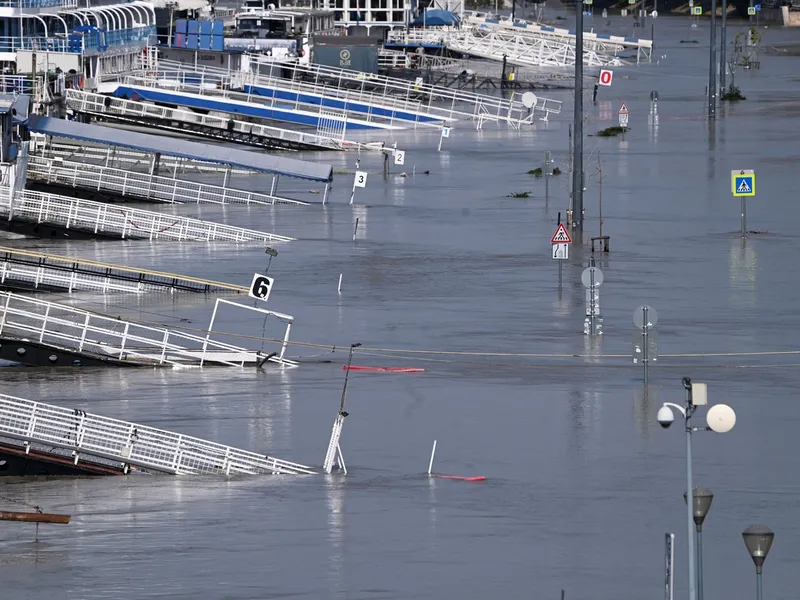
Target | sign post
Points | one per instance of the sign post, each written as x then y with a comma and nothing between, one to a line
623,114
743,184
645,344
445,134
560,247
592,278
360,180
669,558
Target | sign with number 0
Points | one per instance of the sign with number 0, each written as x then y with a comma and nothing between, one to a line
261,287
361,179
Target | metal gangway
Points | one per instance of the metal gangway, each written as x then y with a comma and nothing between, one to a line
603,43
446,102
518,48
68,334
273,85
61,433
173,89
29,270
210,126
144,187
98,219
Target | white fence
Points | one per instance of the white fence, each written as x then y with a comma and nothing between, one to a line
154,188
129,444
121,221
76,330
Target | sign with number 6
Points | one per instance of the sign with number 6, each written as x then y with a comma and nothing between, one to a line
261,287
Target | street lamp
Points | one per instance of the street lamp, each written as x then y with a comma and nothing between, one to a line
758,539
702,499
721,419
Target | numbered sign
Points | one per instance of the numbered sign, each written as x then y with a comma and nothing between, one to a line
261,287
399,157
446,132
361,179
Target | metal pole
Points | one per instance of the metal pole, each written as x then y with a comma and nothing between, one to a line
577,144
712,64
744,217
700,563
723,66
346,376
547,179
690,497
560,267
758,583
645,343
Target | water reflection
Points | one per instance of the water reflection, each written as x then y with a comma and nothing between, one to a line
645,401
743,269
584,417
360,222
432,514
335,494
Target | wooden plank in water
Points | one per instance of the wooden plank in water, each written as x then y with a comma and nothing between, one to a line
33,517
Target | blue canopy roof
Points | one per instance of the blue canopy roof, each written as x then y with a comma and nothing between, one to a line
436,18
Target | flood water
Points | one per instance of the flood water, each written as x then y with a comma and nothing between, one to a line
582,481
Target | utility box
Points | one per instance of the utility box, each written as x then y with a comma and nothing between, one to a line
346,52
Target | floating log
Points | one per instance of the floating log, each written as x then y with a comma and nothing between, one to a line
33,517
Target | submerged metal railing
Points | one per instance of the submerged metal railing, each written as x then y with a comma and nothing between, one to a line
87,436
80,331
153,188
121,221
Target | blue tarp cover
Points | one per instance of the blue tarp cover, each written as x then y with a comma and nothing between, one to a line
436,18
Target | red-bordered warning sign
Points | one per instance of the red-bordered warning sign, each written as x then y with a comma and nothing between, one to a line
605,77
623,110
561,236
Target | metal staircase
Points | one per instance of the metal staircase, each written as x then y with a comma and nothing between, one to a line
121,446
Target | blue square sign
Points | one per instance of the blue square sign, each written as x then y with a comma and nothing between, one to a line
758,8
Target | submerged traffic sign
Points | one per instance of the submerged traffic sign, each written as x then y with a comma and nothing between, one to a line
561,236
743,182
623,110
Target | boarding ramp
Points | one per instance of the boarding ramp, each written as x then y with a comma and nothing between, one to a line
214,127
82,437
517,48
38,271
161,145
602,43
394,109
173,89
144,187
73,334
446,102
97,219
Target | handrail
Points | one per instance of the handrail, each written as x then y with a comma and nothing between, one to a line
91,437
70,262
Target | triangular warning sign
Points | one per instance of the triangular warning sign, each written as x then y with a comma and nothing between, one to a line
744,187
623,110
561,236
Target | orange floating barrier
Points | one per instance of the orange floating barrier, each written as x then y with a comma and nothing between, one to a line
460,478
383,369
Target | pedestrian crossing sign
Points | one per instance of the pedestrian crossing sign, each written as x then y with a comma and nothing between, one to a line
751,11
697,11
743,183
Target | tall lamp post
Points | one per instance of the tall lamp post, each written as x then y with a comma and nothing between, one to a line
719,418
758,539
701,503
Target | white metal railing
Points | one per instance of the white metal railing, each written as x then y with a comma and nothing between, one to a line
87,102
523,49
443,101
87,333
592,41
278,107
408,109
130,444
38,269
125,222
142,185
112,155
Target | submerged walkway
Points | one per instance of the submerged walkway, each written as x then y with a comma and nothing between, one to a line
48,433
29,270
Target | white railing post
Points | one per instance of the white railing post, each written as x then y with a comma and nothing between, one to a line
124,340
44,322
84,330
